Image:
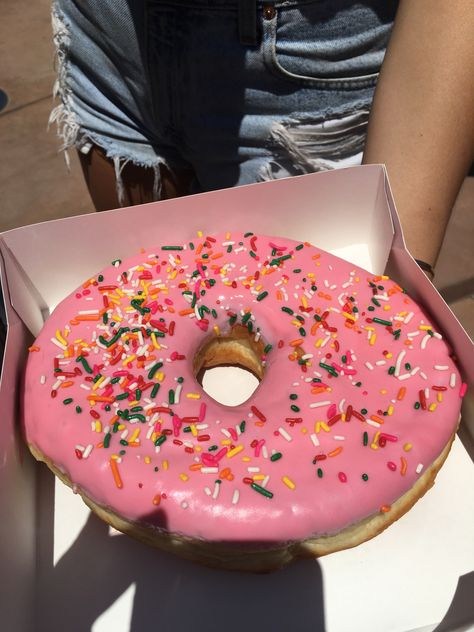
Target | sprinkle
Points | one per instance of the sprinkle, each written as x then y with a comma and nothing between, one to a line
276,456
235,451
235,496
452,380
261,490
115,473
261,296
419,468
319,404
285,434
463,389
288,482
342,477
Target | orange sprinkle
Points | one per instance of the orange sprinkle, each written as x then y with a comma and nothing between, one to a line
328,297
297,342
401,393
199,249
218,255
195,466
87,317
379,420
66,384
100,398
335,452
157,499
185,312
116,473
403,469
316,256
385,508
33,348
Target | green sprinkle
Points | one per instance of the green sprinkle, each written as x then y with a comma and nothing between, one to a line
107,439
297,270
172,248
363,411
123,442
191,245
121,396
430,332
299,247
229,248
213,448
252,254
160,440
138,394
242,426
136,409
293,396
391,370
365,477
278,260
154,369
187,429
78,409
105,318
67,401
320,472
288,310
407,366
302,331
140,418
246,317
417,405
248,235
387,323
180,380
358,383
375,302
397,333
261,490
232,320
329,369
156,468
295,408
250,326
267,349
344,359
171,396
100,278
276,456
371,308
366,438
214,313
154,391
115,427
84,363
261,296
116,261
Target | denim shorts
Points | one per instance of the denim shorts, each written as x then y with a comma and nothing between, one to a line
235,90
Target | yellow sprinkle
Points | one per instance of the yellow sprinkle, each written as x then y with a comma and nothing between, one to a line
165,465
199,233
347,315
373,338
425,327
432,407
439,397
318,342
304,430
115,457
129,359
193,396
390,410
246,459
154,341
258,477
407,447
288,482
374,444
226,441
60,338
147,460
235,451
135,435
98,383
121,427
304,302
173,275
320,425
183,477
217,331
227,236
159,376
98,426
387,307
194,430
389,355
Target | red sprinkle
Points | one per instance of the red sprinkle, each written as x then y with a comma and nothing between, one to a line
257,413
78,453
422,399
342,477
349,413
392,466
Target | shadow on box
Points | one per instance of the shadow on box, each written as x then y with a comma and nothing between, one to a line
170,593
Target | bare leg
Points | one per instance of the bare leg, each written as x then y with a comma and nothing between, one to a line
99,174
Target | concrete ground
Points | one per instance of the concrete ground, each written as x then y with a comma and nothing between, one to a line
35,185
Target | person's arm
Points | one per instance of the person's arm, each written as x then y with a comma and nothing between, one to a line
422,121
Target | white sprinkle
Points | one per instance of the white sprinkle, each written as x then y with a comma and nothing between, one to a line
423,375
235,496
338,438
79,447
42,379
217,488
284,434
405,376
409,317
87,451
412,334
196,312
58,344
415,370
57,384
177,393
380,362
373,423
325,341
314,439
184,504
88,312
124,434
425,340
253,469
264,483
452,380
398,363
341,405
207,491
427,393
307,356
441,367
369,366
381,297
209,470
419,467
264,452
319,404
346,284
226,433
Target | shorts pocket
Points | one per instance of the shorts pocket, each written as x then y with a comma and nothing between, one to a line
315,44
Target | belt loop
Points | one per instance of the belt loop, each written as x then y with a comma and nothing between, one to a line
248,22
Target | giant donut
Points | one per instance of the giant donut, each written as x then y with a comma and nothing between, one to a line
357,406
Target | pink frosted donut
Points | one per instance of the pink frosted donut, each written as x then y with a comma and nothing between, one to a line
357,406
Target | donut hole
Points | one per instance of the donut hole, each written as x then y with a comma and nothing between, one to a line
229,367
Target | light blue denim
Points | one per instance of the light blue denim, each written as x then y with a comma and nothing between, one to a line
169,82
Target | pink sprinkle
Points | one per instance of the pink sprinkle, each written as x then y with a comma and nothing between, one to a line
332,410
342,477
176,425
388,437
208,460
168,301
78,295
463,389
174,355
153,306
201,325
157,427
348,357
233,434
272,245
202,412
337,367
220,454
201,271
349,371
259,446
391,466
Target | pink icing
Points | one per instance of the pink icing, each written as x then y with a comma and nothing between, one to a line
167,476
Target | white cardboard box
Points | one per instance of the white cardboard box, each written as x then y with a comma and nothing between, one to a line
63,569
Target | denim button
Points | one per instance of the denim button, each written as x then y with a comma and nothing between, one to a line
269,12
